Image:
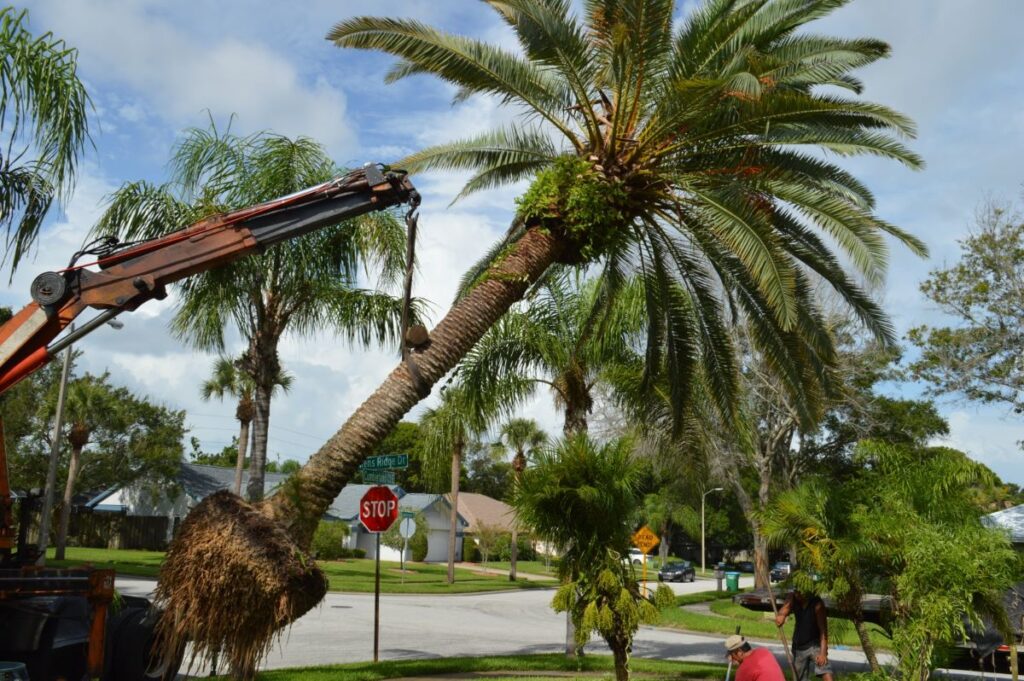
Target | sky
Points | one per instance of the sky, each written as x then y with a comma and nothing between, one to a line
155,68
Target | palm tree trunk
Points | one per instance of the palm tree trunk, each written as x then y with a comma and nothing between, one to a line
258,458
866,644
514,551
243,444
575,420
454,517
65,511
312,489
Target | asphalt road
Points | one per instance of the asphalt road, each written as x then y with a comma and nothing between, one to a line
503,623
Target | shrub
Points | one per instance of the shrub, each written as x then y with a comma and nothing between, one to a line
328,541
663,597
418,544
470,551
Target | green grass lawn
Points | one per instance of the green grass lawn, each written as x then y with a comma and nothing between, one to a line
727,616
356,575
532,567
589,667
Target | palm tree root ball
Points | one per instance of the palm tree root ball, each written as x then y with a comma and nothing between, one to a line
233,576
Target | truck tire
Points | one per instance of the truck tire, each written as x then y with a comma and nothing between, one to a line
130,639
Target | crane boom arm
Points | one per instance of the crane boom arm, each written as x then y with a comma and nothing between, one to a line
129,277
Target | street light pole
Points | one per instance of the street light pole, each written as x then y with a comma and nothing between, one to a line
703,552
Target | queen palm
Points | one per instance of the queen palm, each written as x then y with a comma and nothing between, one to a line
302,287
43,127
87,400
228,381
525,438
563,337
687,156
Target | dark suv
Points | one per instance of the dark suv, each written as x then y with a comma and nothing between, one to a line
780,571
679,571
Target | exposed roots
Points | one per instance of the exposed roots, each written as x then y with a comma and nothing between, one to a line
231,581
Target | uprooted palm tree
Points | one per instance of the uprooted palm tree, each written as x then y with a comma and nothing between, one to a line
227,380
44,128
689,157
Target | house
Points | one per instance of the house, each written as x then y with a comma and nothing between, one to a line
480,509
194,483
1011,520
434,507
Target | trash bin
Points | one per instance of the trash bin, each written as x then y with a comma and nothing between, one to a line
732,582
13,671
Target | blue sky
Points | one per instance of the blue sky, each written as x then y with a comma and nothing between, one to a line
154,68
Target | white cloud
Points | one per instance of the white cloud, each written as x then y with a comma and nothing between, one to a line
178,77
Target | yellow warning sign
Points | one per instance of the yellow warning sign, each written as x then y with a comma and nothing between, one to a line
644,539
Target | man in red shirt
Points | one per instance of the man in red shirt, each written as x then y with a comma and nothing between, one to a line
754,665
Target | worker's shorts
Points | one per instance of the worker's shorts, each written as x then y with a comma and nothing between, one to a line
806,659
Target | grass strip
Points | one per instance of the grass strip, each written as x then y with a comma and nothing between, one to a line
369,671
353,576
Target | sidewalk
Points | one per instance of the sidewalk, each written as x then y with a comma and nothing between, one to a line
477,567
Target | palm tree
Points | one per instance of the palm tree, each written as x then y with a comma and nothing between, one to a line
447,430
305,286
43,127
525,438
687,155
228,381
87,399
564,337
584,498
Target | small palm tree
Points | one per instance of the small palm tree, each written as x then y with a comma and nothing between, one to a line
43,127
584,498
87,399
228,381
525,438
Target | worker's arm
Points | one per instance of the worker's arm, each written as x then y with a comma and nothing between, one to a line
821,615
787,607
129,276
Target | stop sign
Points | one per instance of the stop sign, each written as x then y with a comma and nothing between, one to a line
378,509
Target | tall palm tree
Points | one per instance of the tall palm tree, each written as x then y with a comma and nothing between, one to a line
227,380
525,438
304,286
447,430
565,336
87,399
44,127
686,154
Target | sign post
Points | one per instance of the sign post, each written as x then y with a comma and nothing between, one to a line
377,510
645,540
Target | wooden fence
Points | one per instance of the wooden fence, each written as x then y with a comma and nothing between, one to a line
117,531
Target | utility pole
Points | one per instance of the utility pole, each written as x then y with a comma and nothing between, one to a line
703,552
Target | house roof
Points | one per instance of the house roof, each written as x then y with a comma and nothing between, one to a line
480,509
199,481
1010,519
346,505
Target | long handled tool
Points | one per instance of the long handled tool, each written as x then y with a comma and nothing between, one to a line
728,670
782,634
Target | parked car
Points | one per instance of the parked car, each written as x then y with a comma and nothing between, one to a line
780,571
636,557
678,571
745,566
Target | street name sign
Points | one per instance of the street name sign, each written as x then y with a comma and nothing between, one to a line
385,462
378,509
379,477
644,539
